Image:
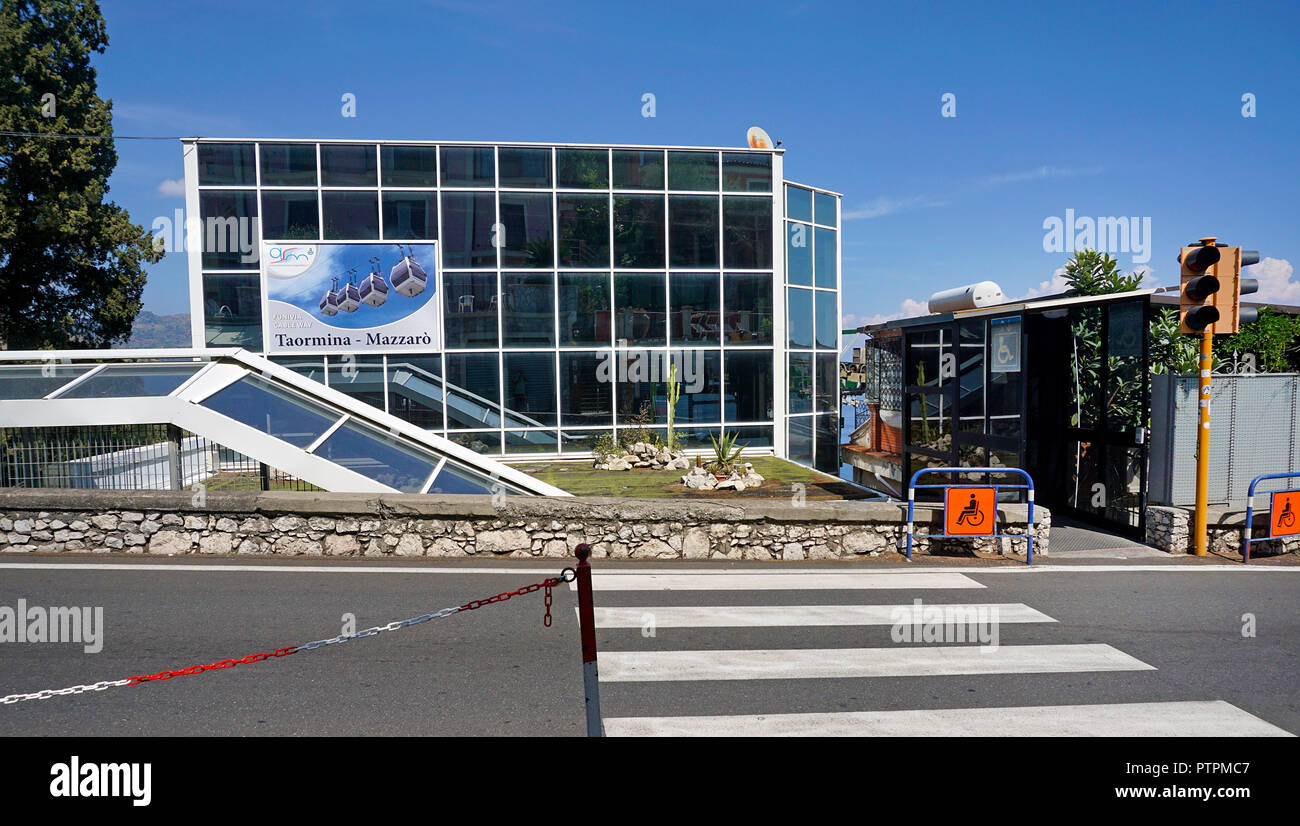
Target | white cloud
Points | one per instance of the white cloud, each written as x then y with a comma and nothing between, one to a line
172,189
1053,286
910,308
885,205
1038,174
1277,284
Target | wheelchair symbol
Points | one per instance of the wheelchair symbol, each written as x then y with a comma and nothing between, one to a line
1004,354
971,515
1286,518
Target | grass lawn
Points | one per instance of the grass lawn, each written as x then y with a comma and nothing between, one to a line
580,479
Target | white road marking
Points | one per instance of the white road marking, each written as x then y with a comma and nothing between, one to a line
764,616
822,663
1172,719
783,581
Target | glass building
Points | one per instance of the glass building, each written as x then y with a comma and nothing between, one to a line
570,278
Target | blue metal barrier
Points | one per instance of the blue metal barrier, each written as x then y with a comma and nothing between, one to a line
1250,512
1029,486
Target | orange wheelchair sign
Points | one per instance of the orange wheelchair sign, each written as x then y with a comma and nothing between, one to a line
970,511
1285,513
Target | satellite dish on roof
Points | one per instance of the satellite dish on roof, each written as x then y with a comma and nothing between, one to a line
758,139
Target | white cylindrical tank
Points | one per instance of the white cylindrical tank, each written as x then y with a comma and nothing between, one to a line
970,297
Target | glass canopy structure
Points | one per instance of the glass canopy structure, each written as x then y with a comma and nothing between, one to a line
244,404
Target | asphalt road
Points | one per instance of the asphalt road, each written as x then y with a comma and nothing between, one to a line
1173,634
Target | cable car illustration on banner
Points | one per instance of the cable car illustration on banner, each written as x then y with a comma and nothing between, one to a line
407,277
329,303
349,297
374,289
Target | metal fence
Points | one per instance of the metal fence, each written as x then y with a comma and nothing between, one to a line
130,457
1254,429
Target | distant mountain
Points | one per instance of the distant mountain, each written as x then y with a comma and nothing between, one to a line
152,330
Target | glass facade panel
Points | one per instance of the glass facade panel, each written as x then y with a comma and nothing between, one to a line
524,167
746,172
361,377
700,372
232,310
825,209
309,367
411,215
469,309
799,318
634,169
415,390
693,230
800,435
828,321
747,232
584,230
639,308
473,390
798,203
229,229
585,398
584,309
484,441
581,441
260,405
378,456
582,168
290,216
468,166
747,301
409,165
352,216
532,441
526,222
798,254
288,164
828,382
752,436
799,383
695,171
347,165
638,231
749,386
827,458
694,313
530,389
467,219
827,273
528,309
226,164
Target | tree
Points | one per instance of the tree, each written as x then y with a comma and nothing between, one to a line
71,262
1274,339
1095,273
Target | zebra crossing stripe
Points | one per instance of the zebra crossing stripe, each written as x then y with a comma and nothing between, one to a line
770,616
897,661
1169,719
792,581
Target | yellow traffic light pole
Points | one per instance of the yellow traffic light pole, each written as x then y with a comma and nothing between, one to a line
1203,446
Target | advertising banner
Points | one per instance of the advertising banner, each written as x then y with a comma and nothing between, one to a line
362,297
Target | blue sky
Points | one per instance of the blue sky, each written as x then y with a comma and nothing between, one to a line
1106,109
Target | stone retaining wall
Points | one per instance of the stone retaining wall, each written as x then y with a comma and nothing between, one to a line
340,524
1169,528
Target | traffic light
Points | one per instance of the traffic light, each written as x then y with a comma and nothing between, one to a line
1196,305
1230,264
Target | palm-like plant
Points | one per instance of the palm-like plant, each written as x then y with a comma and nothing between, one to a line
726,454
